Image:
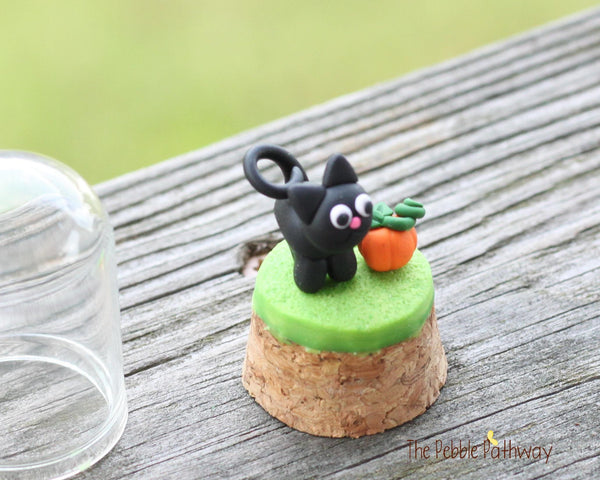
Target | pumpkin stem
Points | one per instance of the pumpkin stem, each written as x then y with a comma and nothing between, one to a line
405,218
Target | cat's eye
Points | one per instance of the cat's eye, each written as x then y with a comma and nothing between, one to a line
340,216
363,205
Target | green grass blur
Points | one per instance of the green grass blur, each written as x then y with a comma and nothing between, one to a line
111,86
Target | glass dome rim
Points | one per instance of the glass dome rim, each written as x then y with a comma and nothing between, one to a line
69,176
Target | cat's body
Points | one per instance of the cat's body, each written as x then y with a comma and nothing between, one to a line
321,223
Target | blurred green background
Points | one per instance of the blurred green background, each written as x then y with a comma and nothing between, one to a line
110,86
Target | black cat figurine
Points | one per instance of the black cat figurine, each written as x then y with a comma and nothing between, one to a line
321,223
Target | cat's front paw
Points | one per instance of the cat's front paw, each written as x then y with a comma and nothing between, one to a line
342,267
309,274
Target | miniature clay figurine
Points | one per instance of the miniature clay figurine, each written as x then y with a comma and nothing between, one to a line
321,223
351,358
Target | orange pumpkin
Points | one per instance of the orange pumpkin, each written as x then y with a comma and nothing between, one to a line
385,249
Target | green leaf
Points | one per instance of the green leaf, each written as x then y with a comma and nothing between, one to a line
410,208
399,223
381,210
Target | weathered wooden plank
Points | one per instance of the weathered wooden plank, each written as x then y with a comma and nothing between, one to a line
503,147
189,251
197,224
192,198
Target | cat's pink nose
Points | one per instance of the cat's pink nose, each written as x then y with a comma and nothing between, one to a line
355,223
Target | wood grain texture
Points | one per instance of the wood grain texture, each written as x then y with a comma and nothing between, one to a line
503,148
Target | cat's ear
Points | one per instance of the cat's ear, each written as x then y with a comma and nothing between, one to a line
305,199
338,171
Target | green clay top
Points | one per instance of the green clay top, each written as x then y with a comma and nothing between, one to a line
369,312
406,216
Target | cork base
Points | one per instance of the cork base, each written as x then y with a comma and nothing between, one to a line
342,394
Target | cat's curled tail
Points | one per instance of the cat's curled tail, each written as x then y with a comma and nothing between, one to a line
290,167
